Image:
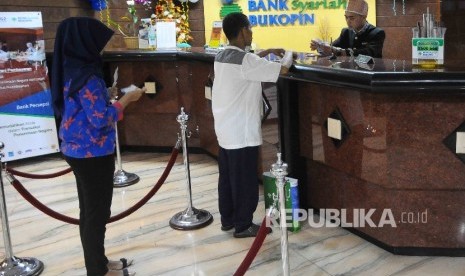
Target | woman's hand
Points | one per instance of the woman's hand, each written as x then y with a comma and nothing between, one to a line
132,96
113,92
135,94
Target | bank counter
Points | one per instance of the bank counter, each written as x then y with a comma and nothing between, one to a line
379,141
375,142
180,79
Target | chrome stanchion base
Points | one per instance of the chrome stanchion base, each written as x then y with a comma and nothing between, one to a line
123,179
21,267
190,220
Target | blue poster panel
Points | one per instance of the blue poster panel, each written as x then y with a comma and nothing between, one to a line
27,123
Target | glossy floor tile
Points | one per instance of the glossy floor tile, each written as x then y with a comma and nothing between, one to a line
157,249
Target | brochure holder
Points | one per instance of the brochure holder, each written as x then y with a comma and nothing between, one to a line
428,52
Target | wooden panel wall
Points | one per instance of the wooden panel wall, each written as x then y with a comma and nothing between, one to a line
397,25
453,15
53,11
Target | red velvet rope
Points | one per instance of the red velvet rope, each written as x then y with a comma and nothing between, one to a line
166,172
39,205
38,176
256,245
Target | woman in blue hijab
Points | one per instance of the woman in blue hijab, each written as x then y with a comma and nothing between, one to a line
87,131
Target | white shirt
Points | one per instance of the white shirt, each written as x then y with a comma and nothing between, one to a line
237,96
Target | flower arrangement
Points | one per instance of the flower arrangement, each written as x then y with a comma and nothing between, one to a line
133,18
166,9
132,27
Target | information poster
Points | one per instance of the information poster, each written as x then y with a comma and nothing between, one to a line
166,34
27,122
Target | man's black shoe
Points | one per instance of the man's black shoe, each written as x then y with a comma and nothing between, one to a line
226,228
252,231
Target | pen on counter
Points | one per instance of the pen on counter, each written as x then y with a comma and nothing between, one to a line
424,26
331,45
419,28
333,54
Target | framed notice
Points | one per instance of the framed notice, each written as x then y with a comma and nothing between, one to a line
27,122
166,34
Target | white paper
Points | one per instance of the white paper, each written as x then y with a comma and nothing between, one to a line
166,35
115,77
334,128
208,93
128,89
460,143
151,87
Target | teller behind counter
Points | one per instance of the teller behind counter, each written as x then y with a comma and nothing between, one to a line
359,38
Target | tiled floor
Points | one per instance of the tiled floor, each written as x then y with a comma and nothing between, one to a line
159,250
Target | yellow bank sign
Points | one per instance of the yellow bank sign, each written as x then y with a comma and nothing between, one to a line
289,24
296,12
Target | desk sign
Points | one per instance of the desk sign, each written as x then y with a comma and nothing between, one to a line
428,51
363,59
365,62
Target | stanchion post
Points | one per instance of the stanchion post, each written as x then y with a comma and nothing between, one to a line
279,170
11,265
121,177
191,218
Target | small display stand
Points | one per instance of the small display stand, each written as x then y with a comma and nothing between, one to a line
214,45
428,42
428,52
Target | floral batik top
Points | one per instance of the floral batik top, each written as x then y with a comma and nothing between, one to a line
88,125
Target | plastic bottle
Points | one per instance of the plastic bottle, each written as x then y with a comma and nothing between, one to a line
152,35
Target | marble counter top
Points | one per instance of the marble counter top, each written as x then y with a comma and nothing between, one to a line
383,76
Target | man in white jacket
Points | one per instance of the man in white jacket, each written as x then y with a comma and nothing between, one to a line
236,104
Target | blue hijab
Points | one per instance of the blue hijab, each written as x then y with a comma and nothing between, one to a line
76,56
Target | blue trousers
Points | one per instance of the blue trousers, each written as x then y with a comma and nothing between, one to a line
238,186
94,179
